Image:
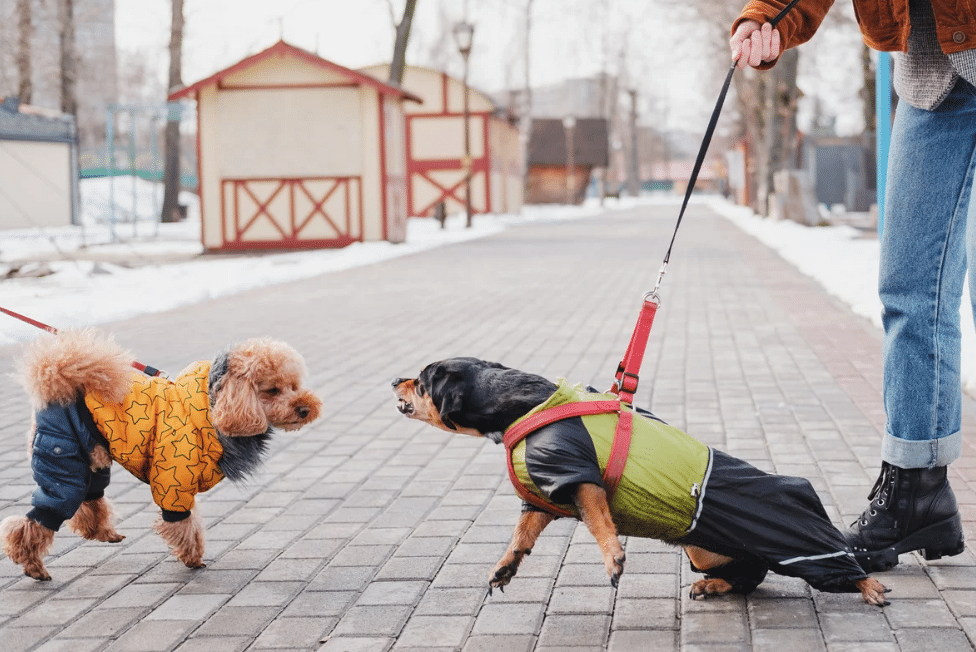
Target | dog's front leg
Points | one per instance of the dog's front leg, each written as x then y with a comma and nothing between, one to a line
185,538
527,531
591,501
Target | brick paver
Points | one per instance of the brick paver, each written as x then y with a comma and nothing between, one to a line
368,532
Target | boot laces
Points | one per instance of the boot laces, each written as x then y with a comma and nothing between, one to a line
883,491
884,487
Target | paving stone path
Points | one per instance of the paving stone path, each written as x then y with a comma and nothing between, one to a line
368,532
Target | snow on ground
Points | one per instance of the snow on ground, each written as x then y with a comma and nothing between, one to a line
110,270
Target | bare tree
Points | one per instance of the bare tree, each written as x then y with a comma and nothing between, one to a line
402,36
766,103
171,173
69,59
25,32
868,92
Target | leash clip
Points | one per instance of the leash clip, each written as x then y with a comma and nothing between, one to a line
653,295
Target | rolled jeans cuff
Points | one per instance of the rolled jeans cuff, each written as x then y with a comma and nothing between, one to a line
923,454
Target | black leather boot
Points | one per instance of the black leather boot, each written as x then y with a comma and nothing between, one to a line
911,509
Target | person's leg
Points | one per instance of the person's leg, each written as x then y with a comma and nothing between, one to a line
923,267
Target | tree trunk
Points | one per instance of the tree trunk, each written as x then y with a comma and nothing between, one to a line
25,31
400,45
785,96
633,158
69,62
171,173
525,131
768,104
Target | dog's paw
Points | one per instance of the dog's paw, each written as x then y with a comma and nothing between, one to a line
104,533
615,568
707,587
111,537
37,571
506,569
192,562
502,576
873,591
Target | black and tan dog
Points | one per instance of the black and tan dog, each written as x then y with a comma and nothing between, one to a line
734,521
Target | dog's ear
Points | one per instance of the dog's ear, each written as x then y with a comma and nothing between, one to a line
236,411
446,390
450,404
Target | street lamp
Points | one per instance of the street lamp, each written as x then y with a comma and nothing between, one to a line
463,36
569,124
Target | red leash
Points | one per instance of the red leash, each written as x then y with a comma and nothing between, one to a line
146,369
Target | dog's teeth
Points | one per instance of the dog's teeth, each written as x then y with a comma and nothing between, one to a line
404,407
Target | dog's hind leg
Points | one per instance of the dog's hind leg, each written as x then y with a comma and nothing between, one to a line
872,591
26,542
724,574
94,518
527,531
591,500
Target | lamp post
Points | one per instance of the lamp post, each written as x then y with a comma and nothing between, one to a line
569,124
464,35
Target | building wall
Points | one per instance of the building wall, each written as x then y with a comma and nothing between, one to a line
436,153
373,165
209,169
287,142
36,184
546,184
287,119
506,167
395,172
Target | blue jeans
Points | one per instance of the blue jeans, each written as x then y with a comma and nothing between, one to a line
929,224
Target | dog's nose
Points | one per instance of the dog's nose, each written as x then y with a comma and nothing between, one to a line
397,381
302,411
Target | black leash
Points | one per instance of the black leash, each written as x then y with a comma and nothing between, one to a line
704,149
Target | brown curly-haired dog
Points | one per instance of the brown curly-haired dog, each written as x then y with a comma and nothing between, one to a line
181,436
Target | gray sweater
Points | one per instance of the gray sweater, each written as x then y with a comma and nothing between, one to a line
925,74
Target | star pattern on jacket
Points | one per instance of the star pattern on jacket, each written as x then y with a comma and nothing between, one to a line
162,434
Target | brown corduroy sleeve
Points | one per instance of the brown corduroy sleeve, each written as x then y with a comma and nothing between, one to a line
798,26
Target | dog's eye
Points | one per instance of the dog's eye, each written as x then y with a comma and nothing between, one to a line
420,389
274,391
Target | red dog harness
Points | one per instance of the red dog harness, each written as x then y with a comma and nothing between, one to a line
625,385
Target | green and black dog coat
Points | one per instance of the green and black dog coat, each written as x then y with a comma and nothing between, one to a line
677,489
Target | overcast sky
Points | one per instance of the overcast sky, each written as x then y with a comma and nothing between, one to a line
355,33
567,38
669,67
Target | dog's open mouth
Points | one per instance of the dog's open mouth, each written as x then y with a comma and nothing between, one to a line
405,407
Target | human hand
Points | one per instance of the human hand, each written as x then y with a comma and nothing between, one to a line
753,44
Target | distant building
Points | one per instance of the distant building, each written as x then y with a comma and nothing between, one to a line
295,151
562,157
94,49
38,167
842,171
435,146
587,97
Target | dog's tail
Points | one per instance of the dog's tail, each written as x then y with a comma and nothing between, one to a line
56,367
